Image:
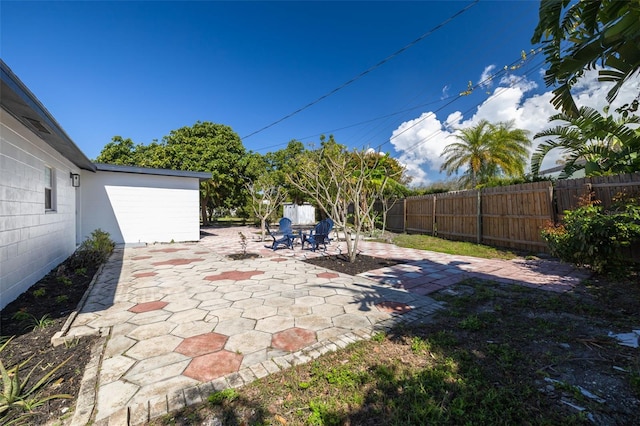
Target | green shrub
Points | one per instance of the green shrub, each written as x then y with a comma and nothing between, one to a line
595,237
93,251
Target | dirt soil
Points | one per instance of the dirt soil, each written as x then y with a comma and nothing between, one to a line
562,337
33,318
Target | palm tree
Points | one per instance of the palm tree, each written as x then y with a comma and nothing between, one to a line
599,144
486,150
588,35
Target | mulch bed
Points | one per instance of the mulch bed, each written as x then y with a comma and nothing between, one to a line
361,264
33,318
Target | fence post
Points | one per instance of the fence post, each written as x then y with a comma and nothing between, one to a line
552,208
404,215
434,223
479,219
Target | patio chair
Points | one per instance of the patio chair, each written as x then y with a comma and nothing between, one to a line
319,236
284,236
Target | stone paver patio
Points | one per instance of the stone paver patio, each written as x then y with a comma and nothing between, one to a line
182,320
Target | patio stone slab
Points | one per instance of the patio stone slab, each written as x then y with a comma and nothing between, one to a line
156,303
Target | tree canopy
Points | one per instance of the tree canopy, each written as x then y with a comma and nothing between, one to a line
591,141
583,35
486,150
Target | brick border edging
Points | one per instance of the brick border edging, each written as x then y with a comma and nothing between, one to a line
86,401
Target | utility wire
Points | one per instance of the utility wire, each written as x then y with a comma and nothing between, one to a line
429,137
518,63
362,74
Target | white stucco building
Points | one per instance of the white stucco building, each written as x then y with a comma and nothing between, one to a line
52,196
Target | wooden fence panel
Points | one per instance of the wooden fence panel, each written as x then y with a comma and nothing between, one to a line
419,214
395,216
607,188
568,192
512,216
457,215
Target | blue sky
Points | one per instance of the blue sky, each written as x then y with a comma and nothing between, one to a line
142,69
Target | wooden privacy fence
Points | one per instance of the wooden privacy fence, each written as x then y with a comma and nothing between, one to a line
508,216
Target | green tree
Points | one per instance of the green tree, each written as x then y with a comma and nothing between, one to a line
388,172
284,163
598,144
582,35
119,151
337,179
486,150
214,148
266,192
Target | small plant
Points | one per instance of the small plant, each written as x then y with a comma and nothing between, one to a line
71,344
472,322
419,345
81,272
227,395
15,395
62,298
378,337
21,315
243,243
40,292
65,280
39,324
95,250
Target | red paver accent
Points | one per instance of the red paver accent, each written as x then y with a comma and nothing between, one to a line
145,274
168,250
233,275
141,257
177,262
202,344
393,307
293,339
147,306
328,275
206,368
279,259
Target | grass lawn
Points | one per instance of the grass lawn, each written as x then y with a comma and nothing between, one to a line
426,242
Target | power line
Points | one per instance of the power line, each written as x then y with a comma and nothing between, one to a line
367,71
429,137
516,64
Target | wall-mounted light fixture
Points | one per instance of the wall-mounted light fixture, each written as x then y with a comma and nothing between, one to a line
75,180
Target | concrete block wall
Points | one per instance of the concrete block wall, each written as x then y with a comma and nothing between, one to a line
32,241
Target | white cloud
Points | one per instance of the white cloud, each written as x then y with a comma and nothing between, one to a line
486,81
445,92
420,141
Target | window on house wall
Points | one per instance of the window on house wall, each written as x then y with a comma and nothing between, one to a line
49,189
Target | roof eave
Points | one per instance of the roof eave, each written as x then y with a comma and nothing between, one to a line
22,104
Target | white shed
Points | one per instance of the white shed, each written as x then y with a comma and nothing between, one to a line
141,205
304,214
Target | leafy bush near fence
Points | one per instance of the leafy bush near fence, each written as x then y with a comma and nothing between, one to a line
596,237
95,250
